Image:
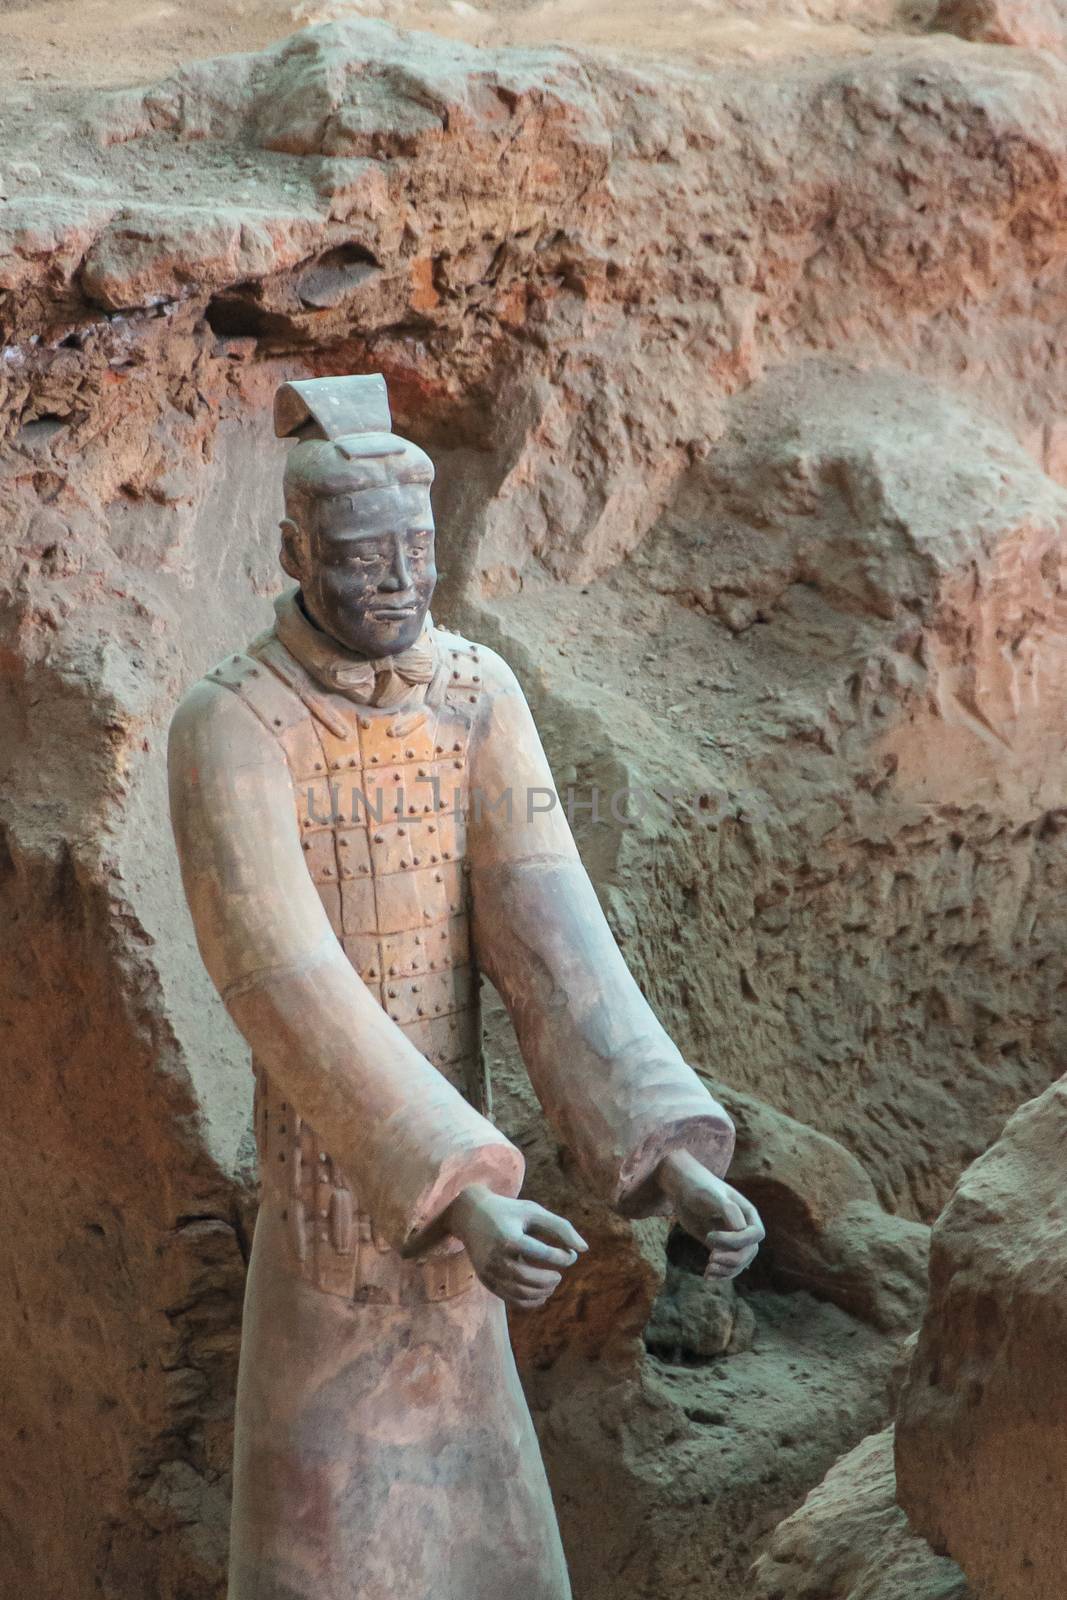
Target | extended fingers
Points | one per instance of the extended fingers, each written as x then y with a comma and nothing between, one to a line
522,1286
728,1263
539,1220
524,1299
514,1279
535,1251
737,1239
532,1277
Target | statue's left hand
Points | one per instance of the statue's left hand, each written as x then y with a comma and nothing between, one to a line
501,1236
715,1214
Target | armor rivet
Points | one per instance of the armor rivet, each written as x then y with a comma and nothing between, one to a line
277,722
397,778
401,832
409,755
413,811
446,855
419,1011
371,973
433,966
457,746
457,764
418,938
475,678
433,861
351,761
414,861
455,674
438,749
437,1008
392,972
472,698
444,934
414,988
431,827
307,844
364,867
379,838
403,866
322,1155
348,873
374,760
318,766
442,805
343,844
394,1016
437,878
422,772
364,722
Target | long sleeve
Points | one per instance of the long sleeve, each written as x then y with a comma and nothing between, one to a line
610,1078
407,1138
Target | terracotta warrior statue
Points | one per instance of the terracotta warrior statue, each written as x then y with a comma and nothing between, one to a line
367,824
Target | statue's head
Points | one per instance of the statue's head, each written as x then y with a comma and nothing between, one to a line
358,531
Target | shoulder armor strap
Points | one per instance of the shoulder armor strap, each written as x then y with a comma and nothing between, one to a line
463,669
285,666
275,706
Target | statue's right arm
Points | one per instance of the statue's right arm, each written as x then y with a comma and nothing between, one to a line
409,1141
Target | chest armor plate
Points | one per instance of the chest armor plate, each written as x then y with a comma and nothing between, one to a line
381,806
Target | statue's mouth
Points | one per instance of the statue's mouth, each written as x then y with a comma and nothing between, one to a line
393,613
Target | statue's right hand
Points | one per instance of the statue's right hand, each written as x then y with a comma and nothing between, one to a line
518,1249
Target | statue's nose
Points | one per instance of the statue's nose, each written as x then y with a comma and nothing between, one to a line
399,575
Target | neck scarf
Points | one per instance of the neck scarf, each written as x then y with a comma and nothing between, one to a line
377,681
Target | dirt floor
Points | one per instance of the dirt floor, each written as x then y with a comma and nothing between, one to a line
113,41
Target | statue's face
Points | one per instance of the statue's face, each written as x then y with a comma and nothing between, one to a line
368,571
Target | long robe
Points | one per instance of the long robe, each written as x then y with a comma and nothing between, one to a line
383,1447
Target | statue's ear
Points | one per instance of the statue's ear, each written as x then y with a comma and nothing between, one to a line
293,555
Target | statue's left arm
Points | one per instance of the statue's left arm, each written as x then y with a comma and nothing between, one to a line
610,1078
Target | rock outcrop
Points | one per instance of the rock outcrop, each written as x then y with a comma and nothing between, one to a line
981,1453
1035,24
743,377
850,1541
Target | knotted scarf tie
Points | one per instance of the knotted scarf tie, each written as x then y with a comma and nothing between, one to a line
368,680
382,681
